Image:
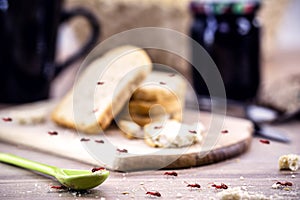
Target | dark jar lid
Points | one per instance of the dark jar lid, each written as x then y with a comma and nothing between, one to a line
220,7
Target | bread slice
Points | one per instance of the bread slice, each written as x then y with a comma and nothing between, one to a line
161,96
103,89
160,87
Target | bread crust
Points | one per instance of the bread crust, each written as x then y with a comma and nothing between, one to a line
161,86
156,108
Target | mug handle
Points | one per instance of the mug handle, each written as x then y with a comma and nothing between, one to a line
95,26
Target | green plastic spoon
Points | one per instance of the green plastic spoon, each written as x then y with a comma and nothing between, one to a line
71,178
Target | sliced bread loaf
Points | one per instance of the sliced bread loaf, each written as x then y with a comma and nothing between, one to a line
103,89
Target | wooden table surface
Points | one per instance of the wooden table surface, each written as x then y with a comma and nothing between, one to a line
258,167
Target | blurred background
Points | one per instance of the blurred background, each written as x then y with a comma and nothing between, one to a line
280,41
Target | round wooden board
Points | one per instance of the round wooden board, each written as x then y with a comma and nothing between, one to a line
217,146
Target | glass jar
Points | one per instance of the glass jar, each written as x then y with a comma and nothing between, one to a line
230,33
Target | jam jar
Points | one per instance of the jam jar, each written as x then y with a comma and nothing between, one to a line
230,33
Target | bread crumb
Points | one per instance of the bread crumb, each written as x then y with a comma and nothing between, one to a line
237,193
178,195
289,162
276,186
35,116
125,193
173,134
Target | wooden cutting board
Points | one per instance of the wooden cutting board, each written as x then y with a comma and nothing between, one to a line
217,146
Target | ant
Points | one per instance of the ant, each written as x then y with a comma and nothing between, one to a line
122,150
171,173
59,187
155,193
194,185
222,186
285,183
97,169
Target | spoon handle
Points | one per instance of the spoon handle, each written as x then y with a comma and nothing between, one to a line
28,164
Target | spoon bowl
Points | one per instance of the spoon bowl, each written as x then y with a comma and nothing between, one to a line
81,179
71,178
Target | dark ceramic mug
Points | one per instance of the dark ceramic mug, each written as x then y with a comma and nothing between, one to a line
28,32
